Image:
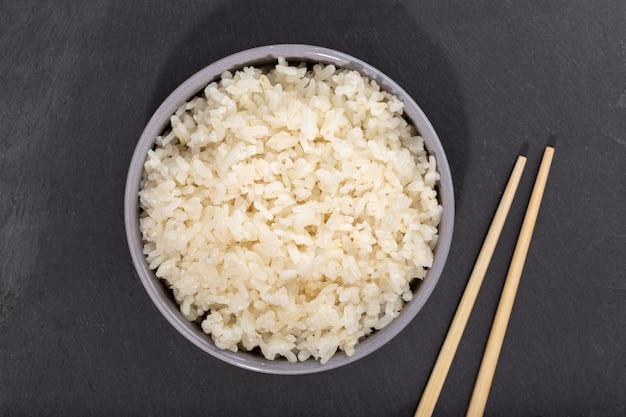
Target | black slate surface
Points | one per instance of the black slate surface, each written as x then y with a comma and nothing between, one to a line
79,335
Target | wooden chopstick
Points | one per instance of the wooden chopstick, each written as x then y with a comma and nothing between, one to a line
503,313
451,343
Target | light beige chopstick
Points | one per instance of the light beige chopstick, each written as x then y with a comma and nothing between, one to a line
451,343
503,313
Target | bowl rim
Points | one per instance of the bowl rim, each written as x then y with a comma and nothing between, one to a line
158,122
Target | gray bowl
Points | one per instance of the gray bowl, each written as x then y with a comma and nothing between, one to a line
162,297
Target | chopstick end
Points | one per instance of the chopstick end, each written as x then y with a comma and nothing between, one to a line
551,140
523,150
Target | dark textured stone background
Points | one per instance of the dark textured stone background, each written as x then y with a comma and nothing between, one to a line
79,80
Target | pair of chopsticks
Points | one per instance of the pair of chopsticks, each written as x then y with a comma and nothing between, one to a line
496,337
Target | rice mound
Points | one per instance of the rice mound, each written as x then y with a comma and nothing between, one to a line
289,209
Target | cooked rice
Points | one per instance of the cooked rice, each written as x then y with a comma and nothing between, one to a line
289,209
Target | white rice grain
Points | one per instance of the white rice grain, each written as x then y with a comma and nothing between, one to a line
289,210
